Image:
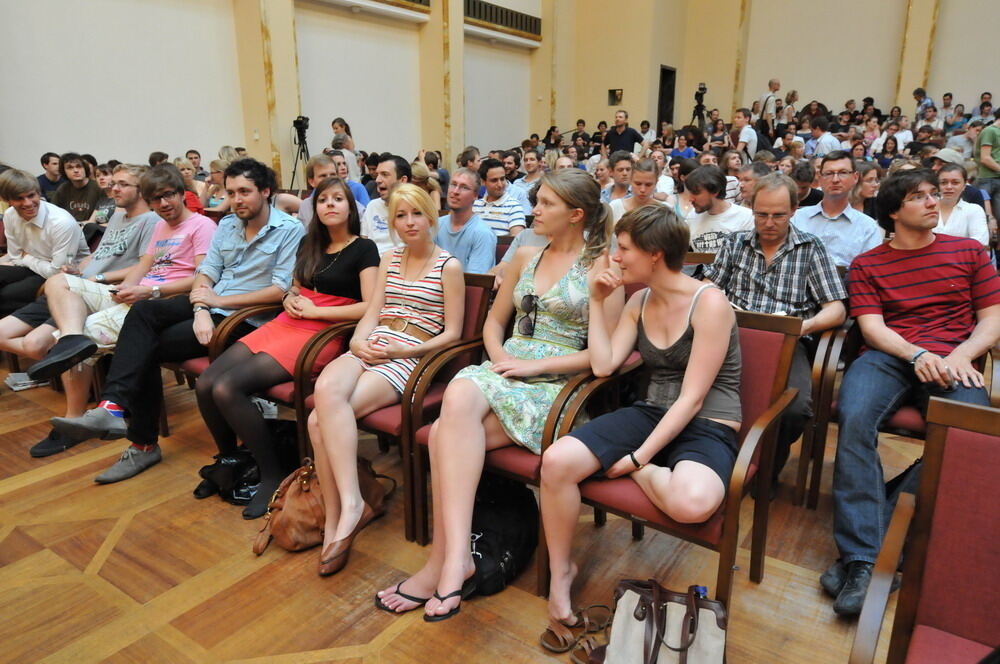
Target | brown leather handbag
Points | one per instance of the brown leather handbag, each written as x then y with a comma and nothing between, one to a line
296,514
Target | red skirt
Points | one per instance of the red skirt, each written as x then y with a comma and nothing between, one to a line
284,337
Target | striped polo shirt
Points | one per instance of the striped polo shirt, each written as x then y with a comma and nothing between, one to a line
501,215
928,296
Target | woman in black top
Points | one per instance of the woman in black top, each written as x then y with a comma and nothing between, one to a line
335,273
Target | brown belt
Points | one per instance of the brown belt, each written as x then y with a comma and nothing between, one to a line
403,326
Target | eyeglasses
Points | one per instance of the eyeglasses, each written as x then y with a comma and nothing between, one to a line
460,187
165,195
529,305
840,175
122,185
774,216
922,197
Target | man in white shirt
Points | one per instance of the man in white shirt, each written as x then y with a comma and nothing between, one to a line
768,106
825,141
844,231
41,238
665,182
747,142
648,135
391,171
500,209
716,218
932,119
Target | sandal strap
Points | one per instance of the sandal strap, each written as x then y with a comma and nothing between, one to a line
410,598
456,593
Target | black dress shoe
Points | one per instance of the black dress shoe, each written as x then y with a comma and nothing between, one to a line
69,351
852,595
205,489
54,443
834,578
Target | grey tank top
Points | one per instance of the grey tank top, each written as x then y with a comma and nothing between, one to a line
665,369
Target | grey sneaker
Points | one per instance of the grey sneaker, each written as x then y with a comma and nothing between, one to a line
95,423
132,462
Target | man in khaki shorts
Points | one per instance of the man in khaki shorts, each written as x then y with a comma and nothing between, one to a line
89,315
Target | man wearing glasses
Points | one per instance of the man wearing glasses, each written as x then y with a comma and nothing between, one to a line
779,269
89,313
462,233
928,306
845,232
248,262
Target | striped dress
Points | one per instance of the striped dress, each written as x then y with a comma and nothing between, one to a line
420,302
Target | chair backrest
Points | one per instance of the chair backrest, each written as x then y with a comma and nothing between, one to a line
767,344
503,244
478,290
698,258
950,579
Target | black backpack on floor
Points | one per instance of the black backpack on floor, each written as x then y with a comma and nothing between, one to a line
504,532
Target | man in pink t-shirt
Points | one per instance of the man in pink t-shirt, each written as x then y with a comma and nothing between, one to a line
90,315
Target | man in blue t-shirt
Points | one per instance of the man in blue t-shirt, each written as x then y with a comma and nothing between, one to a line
463,234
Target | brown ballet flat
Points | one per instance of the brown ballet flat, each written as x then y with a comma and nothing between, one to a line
341,550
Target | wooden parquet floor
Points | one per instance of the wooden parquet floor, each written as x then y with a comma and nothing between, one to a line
142,572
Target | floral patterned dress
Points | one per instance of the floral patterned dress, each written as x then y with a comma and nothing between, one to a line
560,327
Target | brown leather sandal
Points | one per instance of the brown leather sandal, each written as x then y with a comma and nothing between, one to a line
560,637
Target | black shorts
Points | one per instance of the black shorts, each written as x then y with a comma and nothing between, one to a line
36,313
612,436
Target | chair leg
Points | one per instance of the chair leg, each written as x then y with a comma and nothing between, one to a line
383,443
638,530
818,454
805,456
544,574
758,543
724,578
179,376
420,502
164,425
600,517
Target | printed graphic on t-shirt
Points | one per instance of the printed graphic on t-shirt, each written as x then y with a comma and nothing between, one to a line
709,242
163,257
114,243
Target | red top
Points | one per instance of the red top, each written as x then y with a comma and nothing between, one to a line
193,203
929,296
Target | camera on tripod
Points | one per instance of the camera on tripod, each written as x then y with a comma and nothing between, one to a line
698,115
699,96
300,125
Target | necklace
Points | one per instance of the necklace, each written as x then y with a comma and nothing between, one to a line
336,257
423,268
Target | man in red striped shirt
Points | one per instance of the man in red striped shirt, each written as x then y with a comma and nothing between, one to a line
928,306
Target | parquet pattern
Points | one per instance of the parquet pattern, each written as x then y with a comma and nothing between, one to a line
142,572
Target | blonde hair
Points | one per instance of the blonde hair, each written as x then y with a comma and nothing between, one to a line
579,190
228,153
416,198
420,175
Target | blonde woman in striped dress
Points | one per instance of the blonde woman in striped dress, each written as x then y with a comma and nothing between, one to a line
418,308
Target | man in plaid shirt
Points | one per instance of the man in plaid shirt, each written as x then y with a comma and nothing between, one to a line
778,269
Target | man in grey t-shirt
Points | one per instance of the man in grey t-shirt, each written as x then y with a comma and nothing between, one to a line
29,330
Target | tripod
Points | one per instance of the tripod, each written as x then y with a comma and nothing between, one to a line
301,155
699,115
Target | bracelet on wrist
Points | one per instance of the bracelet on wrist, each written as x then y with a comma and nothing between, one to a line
631,455
916,356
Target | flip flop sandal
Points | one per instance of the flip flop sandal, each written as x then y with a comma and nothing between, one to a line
419,601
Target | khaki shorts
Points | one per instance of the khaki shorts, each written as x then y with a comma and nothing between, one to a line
106,316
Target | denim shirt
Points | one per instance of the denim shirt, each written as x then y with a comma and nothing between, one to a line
236,266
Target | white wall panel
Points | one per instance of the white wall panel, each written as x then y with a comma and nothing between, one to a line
118,79
363,68
497,95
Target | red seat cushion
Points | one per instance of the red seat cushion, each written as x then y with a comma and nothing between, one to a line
310,402
625,495
390,419
907,418
515,459
283,393
932,646
423,435
195,367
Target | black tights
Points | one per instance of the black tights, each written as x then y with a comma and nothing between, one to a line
224,392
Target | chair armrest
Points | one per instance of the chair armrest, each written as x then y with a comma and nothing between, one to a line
762,426
305,363
873,610
224,330
995,379
574,396
423,375
820,361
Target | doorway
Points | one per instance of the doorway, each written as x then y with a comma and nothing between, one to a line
665,107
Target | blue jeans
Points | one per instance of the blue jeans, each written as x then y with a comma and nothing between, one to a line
874,388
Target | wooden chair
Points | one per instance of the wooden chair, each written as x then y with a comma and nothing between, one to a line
844,348
390,423
950,596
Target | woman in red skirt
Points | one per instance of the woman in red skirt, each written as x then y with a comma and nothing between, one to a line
335,273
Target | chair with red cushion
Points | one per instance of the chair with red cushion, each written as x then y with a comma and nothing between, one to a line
949,601
766,344
845,346
389,423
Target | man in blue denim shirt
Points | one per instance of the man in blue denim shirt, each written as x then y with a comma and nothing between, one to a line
249,262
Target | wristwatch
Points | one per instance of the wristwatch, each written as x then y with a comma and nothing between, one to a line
99,278
156,293
200,307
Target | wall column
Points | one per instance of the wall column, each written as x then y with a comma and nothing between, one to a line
915,53
269,81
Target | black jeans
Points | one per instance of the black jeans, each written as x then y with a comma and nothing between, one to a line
18,287
154,331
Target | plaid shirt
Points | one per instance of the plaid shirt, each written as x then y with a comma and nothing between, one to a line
800,278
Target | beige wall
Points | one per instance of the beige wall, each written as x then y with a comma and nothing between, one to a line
965,59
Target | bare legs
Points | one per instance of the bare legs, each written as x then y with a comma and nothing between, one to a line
564,465
67,308
459,440
690,493
19,338
344,393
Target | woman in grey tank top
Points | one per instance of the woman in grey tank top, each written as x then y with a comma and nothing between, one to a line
679,442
